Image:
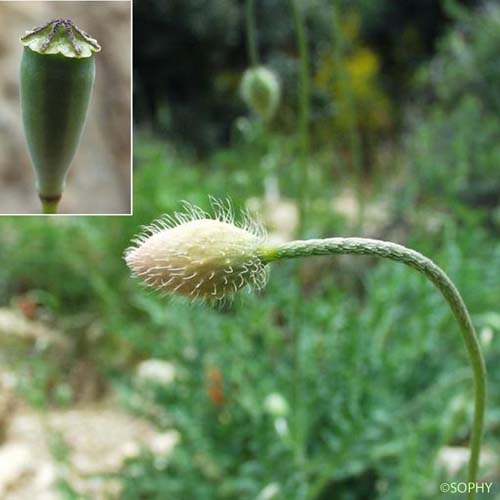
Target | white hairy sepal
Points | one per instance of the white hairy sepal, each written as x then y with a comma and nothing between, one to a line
198,256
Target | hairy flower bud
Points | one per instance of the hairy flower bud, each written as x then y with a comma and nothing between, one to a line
198,256
261,91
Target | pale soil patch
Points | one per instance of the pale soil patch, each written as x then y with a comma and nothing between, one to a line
97,439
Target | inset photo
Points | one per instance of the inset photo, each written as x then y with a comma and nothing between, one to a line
65,108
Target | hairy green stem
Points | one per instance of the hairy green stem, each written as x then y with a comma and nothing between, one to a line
304,110
399,253
251,33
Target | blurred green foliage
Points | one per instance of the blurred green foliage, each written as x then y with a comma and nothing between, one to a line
189,56
453,145
370,361
365,352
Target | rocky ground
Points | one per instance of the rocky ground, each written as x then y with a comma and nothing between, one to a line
81,445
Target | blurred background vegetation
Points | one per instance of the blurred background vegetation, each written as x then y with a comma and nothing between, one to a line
346,378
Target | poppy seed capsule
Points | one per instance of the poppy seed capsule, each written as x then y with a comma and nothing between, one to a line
56,79
260,89
197,256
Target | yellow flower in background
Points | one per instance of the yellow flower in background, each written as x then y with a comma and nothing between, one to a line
350,78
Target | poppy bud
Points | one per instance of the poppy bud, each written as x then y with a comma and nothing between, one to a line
260,89
198,256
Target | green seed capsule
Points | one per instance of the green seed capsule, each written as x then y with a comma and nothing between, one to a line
57,76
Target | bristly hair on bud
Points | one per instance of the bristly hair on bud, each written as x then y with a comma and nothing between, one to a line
198,255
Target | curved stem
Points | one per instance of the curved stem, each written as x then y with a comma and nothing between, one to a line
251,32
399,253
